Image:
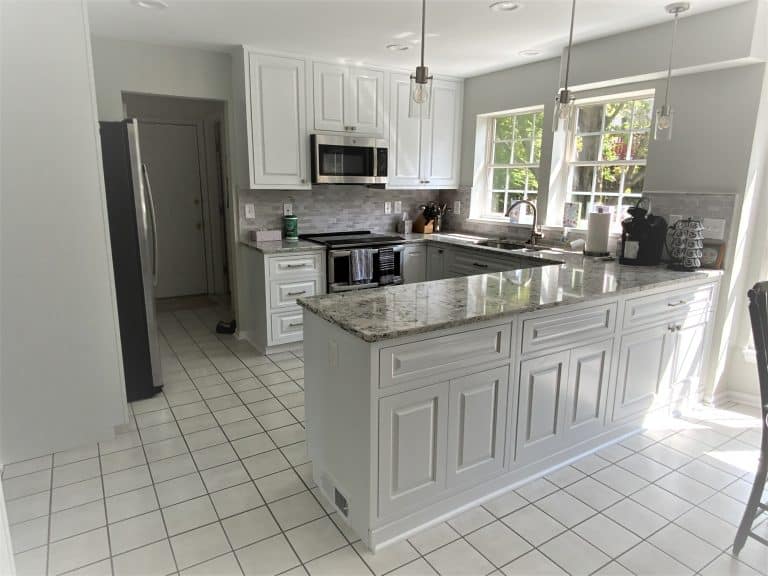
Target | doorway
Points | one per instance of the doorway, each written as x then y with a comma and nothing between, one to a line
181,145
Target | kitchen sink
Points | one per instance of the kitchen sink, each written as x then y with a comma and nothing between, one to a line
510,245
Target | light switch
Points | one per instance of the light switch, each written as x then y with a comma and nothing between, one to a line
714,228
387,207
250,211
457,206
398,206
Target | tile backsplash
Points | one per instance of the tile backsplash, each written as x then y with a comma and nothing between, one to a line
328,208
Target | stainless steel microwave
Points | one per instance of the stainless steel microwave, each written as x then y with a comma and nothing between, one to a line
348,160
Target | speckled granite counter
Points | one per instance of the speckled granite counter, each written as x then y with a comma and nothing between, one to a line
279,246
395,311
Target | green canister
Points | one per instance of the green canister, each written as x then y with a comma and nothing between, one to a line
291,228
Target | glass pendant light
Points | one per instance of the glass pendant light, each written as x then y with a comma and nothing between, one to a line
420,102
564,98
663,127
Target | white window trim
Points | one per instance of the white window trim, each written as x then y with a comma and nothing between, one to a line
480,194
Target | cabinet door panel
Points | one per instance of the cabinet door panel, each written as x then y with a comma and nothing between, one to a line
366,101
588,376
405,132
330,86
645,367
436,263
412,447
689,352
415,264
543,383
477,426
278,118
440,135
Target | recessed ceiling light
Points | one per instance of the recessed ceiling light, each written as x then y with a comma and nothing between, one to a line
156,4
397,47
504,6
529,52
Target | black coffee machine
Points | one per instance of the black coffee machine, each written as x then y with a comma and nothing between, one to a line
642,238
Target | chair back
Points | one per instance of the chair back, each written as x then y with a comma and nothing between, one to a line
758,313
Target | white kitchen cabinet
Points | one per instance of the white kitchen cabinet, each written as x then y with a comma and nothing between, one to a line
413,437
690,339
436,257
645,371
589,372
477,426
349,99
415,269
543,383
276,122
424,152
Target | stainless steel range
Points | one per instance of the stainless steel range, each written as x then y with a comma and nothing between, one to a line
361,259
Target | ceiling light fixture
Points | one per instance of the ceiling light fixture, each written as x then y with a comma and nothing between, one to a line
504,6
421,82
154,4
664,115
397,47
564,98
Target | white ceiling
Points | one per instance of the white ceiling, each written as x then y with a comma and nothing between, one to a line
468,37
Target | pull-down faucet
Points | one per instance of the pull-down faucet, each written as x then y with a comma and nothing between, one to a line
534,235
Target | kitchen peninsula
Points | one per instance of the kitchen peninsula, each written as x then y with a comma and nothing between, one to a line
426,399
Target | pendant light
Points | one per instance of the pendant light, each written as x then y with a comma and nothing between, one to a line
564,98
664,115
421,82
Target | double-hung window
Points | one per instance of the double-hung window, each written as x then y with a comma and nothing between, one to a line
608,153
512,159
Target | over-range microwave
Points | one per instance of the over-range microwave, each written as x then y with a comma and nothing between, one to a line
348,160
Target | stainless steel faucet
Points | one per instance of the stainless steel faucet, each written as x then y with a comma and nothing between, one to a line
534,235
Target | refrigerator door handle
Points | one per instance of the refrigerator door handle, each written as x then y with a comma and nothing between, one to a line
153,216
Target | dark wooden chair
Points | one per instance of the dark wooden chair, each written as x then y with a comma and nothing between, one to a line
758,313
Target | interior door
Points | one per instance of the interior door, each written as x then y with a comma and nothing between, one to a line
172,156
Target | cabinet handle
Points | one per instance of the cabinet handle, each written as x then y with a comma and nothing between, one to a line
679,327
295,265
678,303
303,180
295,324
297,293
479,265
440,251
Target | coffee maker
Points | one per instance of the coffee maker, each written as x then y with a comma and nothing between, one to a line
643,236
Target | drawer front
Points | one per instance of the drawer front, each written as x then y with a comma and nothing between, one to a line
283,293
568,328
287,326
408,362
296,264
658,308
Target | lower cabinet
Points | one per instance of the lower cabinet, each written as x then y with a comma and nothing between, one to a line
436,263
645,371
690,339
562,399
415,269
440,436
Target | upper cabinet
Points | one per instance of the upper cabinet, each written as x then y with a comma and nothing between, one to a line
438,137
273,130
349,99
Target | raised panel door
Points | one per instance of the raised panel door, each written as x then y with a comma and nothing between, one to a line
405,134
690,338
415,269
477,426
365,109
441,136
330,94
412,447
543,384
588,377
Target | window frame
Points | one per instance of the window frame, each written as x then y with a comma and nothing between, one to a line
572,164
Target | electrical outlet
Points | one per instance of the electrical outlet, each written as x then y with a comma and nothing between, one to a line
387,207
398,206
714,228
287,209
250,211
457,206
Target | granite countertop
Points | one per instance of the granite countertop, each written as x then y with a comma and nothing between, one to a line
279,246
394,311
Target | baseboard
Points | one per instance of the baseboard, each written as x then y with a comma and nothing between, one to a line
735,396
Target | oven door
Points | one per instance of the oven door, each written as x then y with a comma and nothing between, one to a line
347,160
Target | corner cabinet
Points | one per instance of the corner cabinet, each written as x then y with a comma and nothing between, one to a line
275,110
349,99
438,137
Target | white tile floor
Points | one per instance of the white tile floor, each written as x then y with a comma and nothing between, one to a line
211,477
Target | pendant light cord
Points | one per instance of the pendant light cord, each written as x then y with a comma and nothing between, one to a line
424,28
570,44
671,54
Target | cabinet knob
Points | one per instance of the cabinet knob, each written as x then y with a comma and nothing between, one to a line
303,180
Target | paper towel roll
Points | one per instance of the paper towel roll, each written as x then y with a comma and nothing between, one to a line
599,226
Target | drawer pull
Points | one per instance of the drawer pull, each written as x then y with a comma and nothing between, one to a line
678,303
479,265
295,265
297,293
295,324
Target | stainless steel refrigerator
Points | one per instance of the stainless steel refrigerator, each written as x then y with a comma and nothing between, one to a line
133,233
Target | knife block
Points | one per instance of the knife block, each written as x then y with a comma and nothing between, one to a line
421,226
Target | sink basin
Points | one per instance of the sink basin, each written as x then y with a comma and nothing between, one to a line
509,245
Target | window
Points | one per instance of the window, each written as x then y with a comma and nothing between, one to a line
608,153
512,159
